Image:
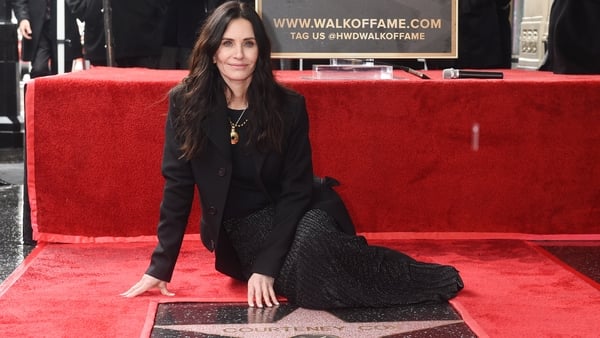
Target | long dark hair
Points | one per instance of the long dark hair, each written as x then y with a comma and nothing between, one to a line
203,88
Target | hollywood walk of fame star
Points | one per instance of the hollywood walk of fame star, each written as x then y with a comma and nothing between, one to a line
314,323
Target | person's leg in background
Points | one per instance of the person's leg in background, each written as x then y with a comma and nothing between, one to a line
43,53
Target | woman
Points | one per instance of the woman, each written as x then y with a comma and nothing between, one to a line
242,139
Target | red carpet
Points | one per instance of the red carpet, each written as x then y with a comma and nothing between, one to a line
71,290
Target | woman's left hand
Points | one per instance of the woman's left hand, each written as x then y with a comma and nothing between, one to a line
260,289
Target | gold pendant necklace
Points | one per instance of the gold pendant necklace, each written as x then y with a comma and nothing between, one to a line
234,136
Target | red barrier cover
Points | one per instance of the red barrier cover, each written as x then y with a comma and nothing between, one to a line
517,155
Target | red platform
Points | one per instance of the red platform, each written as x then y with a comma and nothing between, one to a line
403,149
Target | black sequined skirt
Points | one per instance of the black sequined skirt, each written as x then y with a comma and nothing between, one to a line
326,268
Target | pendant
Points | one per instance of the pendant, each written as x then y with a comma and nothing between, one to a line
234,136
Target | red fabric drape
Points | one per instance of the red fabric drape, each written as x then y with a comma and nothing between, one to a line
403,149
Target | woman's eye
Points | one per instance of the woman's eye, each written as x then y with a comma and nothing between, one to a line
227,43
249,43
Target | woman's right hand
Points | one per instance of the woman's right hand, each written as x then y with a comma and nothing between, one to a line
147,283
25,29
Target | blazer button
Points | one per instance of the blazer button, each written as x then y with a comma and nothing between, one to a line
212,211
222,172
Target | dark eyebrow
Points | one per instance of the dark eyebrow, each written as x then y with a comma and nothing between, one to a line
245,39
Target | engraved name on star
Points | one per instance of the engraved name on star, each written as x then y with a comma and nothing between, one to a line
310,322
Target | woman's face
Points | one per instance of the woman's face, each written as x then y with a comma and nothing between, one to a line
237,54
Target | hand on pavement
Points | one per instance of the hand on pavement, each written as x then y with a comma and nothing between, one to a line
147,283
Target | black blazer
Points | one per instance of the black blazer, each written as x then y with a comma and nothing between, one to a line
211,174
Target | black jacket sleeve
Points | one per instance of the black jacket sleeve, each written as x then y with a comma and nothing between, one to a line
21,9
175,207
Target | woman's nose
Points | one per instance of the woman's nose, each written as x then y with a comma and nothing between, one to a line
239,52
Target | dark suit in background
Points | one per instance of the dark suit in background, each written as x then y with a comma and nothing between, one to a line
41,49
574,37
183,21
484,37
137,27
484,34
